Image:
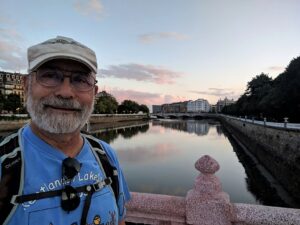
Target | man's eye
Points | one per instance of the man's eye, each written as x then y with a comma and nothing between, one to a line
80,79
50,75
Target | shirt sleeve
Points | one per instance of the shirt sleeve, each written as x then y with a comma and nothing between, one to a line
124,194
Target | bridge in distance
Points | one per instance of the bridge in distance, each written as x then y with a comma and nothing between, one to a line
184,115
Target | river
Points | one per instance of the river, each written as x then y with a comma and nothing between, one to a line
159,157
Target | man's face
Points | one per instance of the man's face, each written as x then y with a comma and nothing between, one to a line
63,108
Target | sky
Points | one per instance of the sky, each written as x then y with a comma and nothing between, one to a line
161,51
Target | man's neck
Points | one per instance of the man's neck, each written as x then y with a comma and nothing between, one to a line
70,144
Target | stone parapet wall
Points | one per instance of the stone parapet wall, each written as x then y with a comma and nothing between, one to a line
278,149
205,204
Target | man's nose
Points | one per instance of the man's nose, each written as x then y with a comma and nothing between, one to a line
65,89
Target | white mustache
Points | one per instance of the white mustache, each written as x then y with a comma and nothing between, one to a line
61,103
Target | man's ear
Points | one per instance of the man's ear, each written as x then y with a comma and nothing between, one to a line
25,80
96,89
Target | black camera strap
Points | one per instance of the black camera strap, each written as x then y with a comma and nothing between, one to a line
89,188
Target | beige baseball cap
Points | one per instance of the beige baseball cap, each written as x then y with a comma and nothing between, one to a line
60,48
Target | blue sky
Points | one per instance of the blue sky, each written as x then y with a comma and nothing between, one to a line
161,51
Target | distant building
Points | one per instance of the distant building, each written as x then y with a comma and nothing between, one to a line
199,105
213,108
156,108
11,83
177,107
222,103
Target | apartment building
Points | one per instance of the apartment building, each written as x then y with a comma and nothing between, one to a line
11,83
199,105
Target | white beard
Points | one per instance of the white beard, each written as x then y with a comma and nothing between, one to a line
58,123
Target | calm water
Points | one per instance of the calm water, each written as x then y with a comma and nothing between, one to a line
159,156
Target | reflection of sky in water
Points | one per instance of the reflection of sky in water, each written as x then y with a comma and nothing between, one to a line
162,159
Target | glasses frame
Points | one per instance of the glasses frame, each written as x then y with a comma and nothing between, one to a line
63,72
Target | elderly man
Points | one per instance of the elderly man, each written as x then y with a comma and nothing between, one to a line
51,173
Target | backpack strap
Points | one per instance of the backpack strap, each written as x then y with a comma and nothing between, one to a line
12,174
109,170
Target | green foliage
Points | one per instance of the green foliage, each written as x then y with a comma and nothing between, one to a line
144,108
12,103
2,101
274,99
129,106
106,104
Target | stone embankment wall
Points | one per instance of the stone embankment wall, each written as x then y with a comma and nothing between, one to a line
6,125
278,149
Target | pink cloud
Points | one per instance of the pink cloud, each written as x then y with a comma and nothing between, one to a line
139,72
146,98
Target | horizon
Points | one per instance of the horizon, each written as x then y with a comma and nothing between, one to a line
155,52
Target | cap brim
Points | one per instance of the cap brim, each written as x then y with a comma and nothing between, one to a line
47,57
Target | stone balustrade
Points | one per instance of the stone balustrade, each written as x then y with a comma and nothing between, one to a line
205,204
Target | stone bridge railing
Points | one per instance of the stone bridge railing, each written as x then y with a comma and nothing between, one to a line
205,204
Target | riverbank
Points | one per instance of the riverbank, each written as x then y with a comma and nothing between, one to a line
97,120
276,148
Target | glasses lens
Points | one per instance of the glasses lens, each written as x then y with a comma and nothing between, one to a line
49,78
69,198
70,168
83,82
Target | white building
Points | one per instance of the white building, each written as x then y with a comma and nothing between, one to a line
199,105
222,103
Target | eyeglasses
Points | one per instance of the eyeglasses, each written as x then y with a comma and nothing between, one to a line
69,196
81,81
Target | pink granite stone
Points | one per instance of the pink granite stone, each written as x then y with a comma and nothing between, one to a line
207,184
206,203
207,165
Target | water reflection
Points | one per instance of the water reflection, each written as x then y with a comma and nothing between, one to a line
161,160
126,131
199,127
258,182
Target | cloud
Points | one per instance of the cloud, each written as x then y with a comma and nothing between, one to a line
219,92
12,56
152,37
276,68
140,97
139,72
92,8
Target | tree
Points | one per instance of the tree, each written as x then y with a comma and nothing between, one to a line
274,99
13,103
2,102
106,104
283,99
144,108
129,106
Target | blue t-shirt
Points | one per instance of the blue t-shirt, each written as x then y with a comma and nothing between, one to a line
43,172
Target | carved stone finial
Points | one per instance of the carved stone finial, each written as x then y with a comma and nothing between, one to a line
207,165
206,203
